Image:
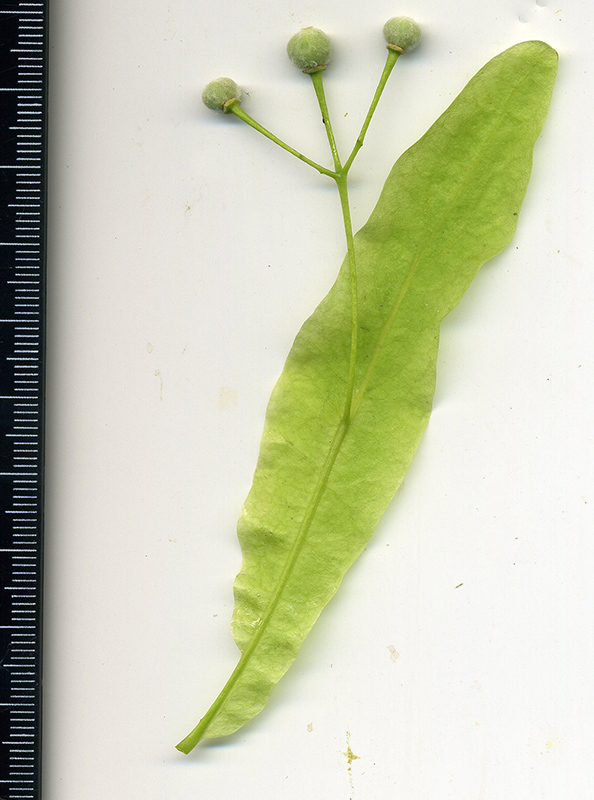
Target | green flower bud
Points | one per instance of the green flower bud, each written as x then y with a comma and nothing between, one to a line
309,49
220,94
402,34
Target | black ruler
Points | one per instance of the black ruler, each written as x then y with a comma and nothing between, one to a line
23,150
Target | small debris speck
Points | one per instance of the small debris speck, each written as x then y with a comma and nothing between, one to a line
348,753
394,654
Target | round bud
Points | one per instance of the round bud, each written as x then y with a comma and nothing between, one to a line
309,49
402,34
219,94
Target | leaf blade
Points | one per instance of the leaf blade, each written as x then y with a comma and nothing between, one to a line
449,204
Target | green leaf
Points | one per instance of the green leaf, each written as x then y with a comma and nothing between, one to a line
322,482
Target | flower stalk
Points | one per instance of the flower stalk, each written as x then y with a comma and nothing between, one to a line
340,175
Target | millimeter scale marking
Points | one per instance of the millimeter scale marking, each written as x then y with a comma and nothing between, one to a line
23,158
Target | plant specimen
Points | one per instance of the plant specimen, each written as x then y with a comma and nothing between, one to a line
355,395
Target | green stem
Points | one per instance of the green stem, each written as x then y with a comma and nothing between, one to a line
341,183
235,108
318,84
390,61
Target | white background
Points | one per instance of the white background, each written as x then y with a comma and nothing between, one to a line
185,252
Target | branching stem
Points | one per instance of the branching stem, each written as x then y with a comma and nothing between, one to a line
390,62
341,182
340,176
318,84
235,108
